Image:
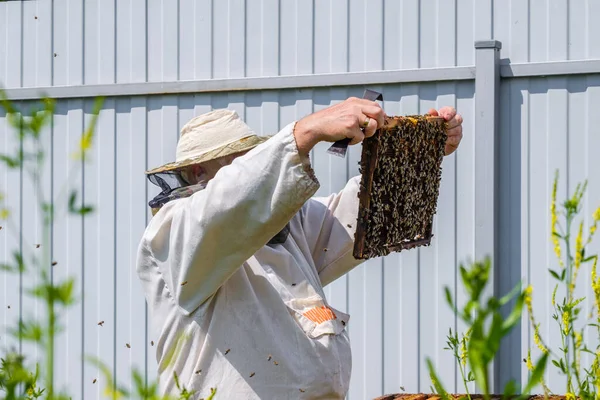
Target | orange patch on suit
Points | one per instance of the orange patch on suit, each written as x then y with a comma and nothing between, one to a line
320,314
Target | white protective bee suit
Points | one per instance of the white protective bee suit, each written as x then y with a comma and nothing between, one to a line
252,317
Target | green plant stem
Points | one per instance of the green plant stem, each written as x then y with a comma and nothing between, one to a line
50,350
568,258
486,390
576,365
46,263
462,374
568,266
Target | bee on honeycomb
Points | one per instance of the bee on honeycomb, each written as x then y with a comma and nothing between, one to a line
400,171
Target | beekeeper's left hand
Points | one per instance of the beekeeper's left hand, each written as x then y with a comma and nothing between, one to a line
454,127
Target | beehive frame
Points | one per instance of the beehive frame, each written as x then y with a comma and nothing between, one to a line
400,171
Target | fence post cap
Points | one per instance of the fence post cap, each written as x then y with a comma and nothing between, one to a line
488,44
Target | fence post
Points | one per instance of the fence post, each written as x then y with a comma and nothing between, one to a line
487,102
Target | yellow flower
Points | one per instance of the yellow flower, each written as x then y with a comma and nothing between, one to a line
554,222
596,371
578,340
538,341
596,215
570,396
528,361
463,349
554,296
85,145
558,252
579,246
565,321
528,293
596,285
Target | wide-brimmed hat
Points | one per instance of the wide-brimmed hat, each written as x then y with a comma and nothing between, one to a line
210,136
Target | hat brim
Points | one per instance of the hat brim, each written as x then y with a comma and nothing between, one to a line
239,146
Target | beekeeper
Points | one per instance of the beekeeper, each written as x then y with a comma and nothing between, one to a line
234,261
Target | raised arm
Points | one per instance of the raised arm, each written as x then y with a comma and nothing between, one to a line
198,242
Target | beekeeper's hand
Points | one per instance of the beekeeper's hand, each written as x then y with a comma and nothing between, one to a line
340,121
454,127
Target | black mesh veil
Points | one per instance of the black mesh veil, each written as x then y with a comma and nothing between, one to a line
172,186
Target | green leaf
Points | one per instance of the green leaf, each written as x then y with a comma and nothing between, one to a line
557,365
558,235
536,375
74,209
478,353
510,389
10,162
7,268
515,316
497,331
213,392
563,275
508,297
30,331
588,259
17,266
61,293
439,387
64,292
555,274
449,300
20,265
111,389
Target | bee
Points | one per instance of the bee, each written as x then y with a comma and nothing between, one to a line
101,323
252,374
293,284
302,390
152,343
94,381
227,351
9,307
183,283
37,246
325,249
127,345
198,372
54,263
275,362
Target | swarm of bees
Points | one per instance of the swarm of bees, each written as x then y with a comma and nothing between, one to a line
400,171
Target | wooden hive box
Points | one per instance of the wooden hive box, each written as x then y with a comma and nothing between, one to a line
400,171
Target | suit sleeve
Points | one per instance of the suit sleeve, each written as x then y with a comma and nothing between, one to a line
198,242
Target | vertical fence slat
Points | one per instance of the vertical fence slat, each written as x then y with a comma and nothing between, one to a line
487,107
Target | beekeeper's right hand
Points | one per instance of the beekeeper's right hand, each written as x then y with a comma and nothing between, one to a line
344,120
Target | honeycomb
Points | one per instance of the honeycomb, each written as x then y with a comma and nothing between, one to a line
400,171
